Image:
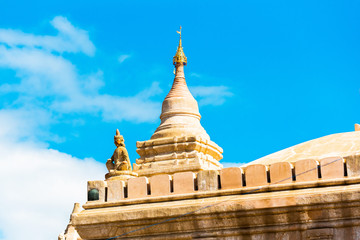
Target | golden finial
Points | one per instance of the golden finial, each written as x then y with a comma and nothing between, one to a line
179,32
180,55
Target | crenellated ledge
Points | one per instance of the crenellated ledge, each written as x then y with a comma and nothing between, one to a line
252,179
305,198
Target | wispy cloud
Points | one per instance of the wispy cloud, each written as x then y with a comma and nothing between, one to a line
44,73
69,38
123,57
195,75
211,95
136,108
25,124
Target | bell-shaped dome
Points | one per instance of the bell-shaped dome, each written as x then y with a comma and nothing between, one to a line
180,112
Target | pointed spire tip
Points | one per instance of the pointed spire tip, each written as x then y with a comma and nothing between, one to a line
180,55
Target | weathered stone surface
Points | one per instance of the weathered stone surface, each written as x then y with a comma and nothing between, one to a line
180,112
320,233
231,178
184,182
208,180
160,185
353,165
100,186
115,190
137,187
177,154
306,170
222,192
281,173
256,175
269,215
120,175
340,144
332,168
70,232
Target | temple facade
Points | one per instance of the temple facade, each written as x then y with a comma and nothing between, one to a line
177,189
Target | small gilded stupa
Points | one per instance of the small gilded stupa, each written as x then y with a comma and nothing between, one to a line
180,143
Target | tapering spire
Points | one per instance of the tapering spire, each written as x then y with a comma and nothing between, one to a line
180,143
179,88
180,55
180,112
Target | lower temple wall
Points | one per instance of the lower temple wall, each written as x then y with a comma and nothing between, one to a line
317,213
344,233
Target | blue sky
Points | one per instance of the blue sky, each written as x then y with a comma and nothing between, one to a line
267,75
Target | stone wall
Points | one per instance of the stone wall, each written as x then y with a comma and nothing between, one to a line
303,200
259,176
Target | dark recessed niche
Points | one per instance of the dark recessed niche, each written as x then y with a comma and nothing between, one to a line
93,195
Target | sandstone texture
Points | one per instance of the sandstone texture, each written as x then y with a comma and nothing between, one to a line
340,144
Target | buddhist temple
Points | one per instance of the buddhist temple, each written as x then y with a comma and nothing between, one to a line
178,189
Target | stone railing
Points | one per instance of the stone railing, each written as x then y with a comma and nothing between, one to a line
234,180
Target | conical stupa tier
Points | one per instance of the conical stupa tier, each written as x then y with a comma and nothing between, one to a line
180,112
180,143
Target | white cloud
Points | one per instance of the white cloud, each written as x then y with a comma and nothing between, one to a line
43,73
93,83
123,57
137,108
211,95
69,38
38,185
24,124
